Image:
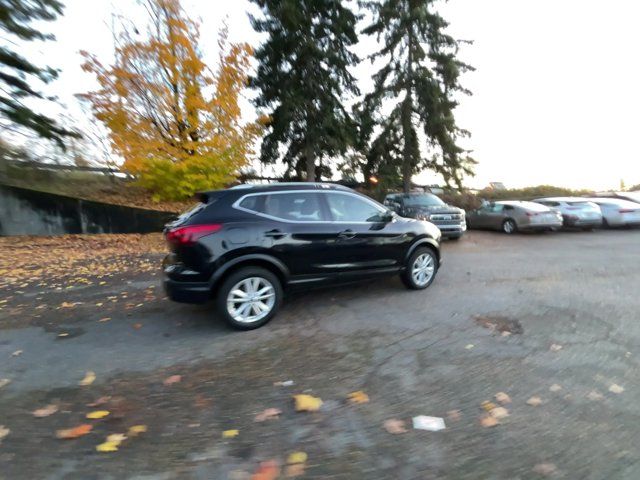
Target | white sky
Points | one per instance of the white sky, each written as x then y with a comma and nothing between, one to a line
556,94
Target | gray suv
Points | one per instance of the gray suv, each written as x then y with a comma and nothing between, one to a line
426,206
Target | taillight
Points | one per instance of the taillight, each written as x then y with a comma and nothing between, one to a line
190,234
531,214
627,210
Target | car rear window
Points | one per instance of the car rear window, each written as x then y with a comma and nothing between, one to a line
290,206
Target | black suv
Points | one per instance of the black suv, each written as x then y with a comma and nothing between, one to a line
245,245
426,206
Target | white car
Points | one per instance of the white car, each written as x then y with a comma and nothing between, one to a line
576,212
618,212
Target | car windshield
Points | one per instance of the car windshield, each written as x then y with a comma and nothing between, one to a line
425,200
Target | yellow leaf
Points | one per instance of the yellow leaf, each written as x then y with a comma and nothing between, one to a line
137,429
488,406
230,433
108,447
88,379
307,403
98,414
296,457
358,397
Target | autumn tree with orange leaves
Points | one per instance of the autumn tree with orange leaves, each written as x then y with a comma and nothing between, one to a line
176,124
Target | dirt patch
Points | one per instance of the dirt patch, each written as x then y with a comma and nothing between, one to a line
500,324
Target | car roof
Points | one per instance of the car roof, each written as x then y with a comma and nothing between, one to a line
522,204
562,199
205,196
622,202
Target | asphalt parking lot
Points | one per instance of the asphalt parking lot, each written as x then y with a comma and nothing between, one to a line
552,316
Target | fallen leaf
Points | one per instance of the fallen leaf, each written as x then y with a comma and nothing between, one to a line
172,379
45,411
488,421
505,333
4,382
62,335
469,346
116,437
4,431
534,401
296,457
230,433
286,383
488,406
555,388
75,432
502,397
615,388
555,347
454,415
17,353
67,305
137,326
395,426
499,413
295,470
99,401
594,395
307,403
105,319
98,414
358,397
545,469
88,379
137,430
108,447
268,470
268,414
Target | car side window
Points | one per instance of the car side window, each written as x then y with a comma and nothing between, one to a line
498,208
351,208
508,207
291,206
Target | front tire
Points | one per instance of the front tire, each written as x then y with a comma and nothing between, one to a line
249,298
421,269
509,226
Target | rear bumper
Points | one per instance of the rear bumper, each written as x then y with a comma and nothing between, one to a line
582,222
187,292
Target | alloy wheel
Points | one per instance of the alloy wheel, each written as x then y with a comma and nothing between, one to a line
251,299
423,269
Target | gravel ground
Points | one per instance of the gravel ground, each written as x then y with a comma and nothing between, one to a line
552,316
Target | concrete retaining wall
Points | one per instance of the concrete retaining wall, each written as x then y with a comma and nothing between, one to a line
30,212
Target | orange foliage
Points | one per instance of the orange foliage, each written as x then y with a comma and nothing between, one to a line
176,123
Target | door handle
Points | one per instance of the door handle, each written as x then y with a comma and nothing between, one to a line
347,234
275,233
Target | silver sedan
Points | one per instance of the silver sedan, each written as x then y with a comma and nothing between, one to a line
576,212
511,216
617,212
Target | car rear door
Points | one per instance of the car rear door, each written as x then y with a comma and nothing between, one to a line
296,230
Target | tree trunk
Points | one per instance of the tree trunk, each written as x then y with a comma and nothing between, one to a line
407,110
311,165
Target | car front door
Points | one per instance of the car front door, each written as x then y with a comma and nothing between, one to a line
368,239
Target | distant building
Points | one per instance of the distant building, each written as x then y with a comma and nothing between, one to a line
497,186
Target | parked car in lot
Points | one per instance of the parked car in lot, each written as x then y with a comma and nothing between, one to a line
246,245
511,216
630,196
576,212
617,212
426,206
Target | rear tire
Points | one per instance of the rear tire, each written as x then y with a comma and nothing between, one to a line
509,226
421,269
249,298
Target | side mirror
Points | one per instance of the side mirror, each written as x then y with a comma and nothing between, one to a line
387,216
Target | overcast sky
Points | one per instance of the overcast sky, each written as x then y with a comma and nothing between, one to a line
556,94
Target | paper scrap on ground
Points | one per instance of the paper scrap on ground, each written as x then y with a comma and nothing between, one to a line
432,424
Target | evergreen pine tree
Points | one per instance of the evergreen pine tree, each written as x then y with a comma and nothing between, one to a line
303,79
421,74
17,73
